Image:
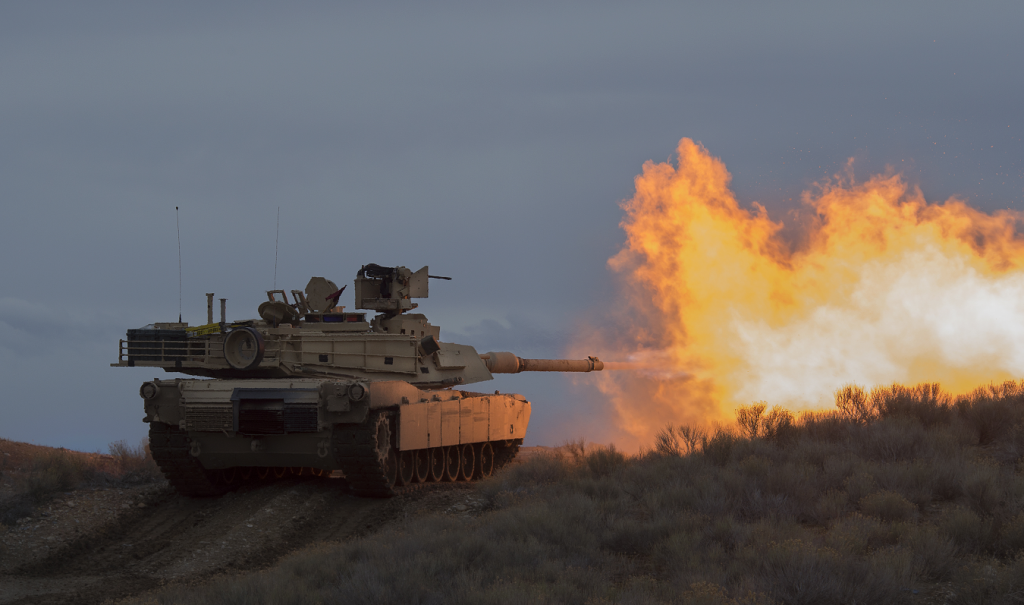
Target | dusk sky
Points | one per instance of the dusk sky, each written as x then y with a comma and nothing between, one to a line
493,143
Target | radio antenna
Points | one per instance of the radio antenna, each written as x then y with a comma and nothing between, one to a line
177,224
277,236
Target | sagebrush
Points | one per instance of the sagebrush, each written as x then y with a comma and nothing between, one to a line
55,470
900,495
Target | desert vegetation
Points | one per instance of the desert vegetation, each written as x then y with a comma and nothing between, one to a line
33,475
899,495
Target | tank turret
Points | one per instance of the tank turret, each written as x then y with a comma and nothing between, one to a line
310,388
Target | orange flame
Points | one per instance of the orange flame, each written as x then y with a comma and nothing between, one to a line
879,286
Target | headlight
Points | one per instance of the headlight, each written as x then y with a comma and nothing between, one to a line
356,392
149,390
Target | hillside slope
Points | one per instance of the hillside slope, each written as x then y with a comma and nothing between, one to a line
107,538
902,495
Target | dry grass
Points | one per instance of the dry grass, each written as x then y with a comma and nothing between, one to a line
36,474
901,495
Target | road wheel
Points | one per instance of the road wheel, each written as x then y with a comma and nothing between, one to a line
485,461
452,463
421,462
467,462
437,465
406,467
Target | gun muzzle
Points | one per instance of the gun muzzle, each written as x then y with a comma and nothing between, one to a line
509,363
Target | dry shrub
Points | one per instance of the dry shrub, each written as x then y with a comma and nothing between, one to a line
948,479
912,480
970,531
1011,536
895,439
832,505
728,533
134,464
682,551
744,516
801,573
926,403
749,418
640,590
692,437
718,448
777,425
668,442
987,581
758,448
837,467
934,555
518,481
56,471
602,461
635,537
995,412
814,453
888,506
599,459
983,488
793,485
754,468
575,448
856,534
825,426
678,441
852,402
49,473
706,593
709,593
1010,449
860,485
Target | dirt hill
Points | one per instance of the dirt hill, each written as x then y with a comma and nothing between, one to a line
109,538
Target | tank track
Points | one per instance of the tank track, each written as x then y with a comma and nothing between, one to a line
356,450
505,454
170,448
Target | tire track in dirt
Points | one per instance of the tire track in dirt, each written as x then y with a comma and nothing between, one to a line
176,539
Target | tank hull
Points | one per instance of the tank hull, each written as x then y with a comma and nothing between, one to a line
209,434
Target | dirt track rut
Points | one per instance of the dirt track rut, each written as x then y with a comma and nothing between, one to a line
175,539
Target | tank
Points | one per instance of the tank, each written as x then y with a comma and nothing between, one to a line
309,388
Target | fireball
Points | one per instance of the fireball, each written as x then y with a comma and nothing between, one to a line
878,286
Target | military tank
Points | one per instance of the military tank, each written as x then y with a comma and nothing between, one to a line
310,389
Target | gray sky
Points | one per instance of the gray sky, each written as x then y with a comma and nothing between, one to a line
493,143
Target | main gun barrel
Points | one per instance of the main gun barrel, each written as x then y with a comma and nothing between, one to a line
509,363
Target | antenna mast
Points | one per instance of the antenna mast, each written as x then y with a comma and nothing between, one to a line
177,224
277,236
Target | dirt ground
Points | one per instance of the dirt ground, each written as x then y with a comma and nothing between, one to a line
100,545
